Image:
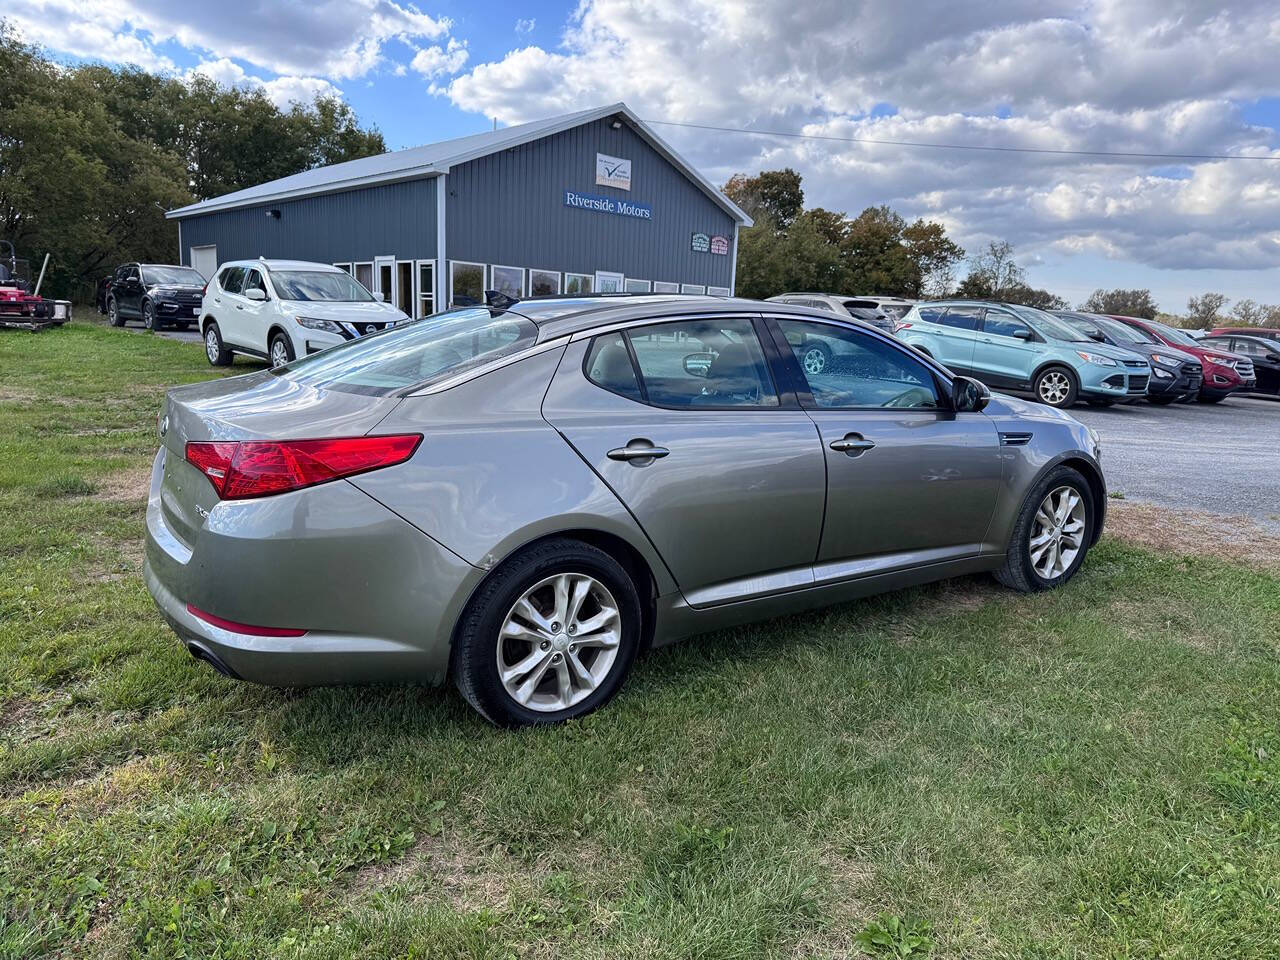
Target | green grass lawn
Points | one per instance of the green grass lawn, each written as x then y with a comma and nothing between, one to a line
1091,773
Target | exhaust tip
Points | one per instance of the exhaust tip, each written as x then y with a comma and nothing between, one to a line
205,655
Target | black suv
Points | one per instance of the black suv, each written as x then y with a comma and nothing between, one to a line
158,294
1175,374
1262,350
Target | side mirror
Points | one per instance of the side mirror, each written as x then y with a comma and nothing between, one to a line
969,395
255,293
698,364
379,295
1022,333
1096,336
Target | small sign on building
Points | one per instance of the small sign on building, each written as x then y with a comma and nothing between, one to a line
720,246
700,243
613,172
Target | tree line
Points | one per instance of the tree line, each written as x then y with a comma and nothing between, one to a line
791,248
91,156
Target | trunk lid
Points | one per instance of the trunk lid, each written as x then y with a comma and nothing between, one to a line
260,406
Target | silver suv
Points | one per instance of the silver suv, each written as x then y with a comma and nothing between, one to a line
860,308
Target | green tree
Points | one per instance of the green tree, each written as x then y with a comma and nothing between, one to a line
772,194
992,272
1124,303
1206,309
936,256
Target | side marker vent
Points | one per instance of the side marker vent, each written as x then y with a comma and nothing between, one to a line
1015,439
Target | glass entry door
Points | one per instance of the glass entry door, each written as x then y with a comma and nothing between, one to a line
384,278
607,282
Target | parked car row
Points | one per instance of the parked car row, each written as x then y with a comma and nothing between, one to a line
1068,356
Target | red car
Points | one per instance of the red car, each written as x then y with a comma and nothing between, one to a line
1224,373
1267,333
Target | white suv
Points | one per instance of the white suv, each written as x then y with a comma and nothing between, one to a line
282,309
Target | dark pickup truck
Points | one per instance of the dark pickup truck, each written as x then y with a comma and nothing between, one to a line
160,295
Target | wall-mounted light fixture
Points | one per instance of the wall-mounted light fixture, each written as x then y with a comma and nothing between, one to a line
615,125
273,214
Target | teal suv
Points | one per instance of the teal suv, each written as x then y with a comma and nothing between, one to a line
1021,348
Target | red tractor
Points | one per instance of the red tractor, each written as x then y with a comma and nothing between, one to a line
21,305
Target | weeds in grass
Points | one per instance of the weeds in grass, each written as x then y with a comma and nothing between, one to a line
64,485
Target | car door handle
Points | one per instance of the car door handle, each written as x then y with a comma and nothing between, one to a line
854,444
637,450
239,307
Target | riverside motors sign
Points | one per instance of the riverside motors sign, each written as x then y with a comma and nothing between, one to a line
620,208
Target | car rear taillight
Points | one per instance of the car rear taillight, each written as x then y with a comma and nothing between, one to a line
259,468
900,326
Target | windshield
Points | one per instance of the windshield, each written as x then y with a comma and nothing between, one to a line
1049,325
183,275
416,353
328,285
1125,333
1180,337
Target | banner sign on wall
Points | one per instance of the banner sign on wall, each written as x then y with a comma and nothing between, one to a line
621,208
613,172
700,243
720,246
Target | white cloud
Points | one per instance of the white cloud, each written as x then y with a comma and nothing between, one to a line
1150,76
440,61
282,91
525,26
336,39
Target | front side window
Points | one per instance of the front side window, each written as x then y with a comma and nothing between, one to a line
702,363
847,368
419,352
318,285
1001,324
231,280
962,318
253,281
466,283
1247,348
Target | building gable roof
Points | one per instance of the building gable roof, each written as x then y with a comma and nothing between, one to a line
436,158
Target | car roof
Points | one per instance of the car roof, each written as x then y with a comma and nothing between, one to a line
284,265
561,316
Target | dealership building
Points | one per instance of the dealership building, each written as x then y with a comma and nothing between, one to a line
588,202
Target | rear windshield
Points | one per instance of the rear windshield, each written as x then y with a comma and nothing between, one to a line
332,286
417,353
184,275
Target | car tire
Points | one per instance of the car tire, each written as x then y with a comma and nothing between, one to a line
113,313
1162,399
495,636
815,358
1032,563
1056,387
149,321
279,351
214,349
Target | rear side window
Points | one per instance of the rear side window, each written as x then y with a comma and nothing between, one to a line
231,279
418,353
608,365
931,314
689,363
962,318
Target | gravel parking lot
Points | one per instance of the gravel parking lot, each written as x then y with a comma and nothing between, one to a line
1222,458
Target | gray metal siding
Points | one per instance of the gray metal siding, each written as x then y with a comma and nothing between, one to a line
357,225
508,208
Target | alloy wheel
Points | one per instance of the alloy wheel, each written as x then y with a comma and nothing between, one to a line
559,642
113,314
1057,533
815,361
212,349
149,317
1054,388
279,353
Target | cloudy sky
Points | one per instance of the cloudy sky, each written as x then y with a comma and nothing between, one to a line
1147,76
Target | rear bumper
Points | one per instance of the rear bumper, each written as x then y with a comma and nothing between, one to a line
377,597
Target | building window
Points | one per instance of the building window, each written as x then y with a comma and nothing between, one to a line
466,283
692,288
637,286
426,288
544,283
718,291
578,283
661,286
508,280
344,267
364,275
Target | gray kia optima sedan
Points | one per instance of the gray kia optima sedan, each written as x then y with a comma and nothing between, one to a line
524,499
